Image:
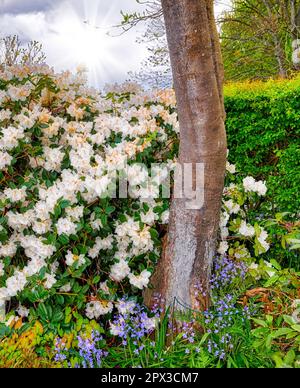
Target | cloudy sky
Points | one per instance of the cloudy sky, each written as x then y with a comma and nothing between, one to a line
74,32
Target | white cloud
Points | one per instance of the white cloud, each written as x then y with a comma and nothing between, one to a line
68,42
25,6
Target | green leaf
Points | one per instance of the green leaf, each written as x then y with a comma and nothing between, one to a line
110,209
273,279
275,264
45,312
260,332
103,218
154,233
269,319
57,211
292,335
4,330
42,310
96,279
260,322
282,331
289,320
60,299
122,218
57,316
64,203
295,246
296,327
290,357
63,239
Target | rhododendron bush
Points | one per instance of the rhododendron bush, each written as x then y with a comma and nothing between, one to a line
66,239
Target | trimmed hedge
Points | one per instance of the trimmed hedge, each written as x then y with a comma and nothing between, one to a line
263,128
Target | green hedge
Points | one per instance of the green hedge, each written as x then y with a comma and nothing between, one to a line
263,128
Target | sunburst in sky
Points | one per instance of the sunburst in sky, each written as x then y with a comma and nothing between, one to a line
75,32
83,40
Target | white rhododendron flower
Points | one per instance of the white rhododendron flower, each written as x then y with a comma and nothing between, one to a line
271,271
15,283
230,168
21,93
10,137
15,195
2,96
223,247
232,207
75,213
5,114
65,226
165,217
97,308
149,218
246,230
72,259
241,252
66,288
53,158
49,281
1,268
261,188
140,281
104,287
119,271
250,184
137,175
5,159
22,311
9,249
262,240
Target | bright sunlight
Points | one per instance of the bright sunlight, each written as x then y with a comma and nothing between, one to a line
85,41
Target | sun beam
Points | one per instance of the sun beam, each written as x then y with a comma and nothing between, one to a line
84,41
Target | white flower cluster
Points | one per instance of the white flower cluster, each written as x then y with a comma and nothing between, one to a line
97,308
246,230
251,185
59,153
141,281
233,216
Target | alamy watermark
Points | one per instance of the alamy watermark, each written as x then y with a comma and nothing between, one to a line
179,180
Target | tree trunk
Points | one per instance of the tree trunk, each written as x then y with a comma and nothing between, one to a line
274,19
198,80
280,57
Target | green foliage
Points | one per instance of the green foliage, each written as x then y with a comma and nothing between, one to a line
20,349
263,136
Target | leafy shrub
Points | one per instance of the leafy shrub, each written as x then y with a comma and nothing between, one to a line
19,350
65,239
264,136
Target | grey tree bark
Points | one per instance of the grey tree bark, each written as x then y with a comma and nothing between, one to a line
198,80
